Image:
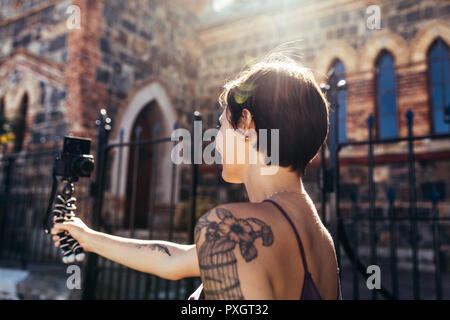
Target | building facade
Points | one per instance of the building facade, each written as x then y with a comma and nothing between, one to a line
157,61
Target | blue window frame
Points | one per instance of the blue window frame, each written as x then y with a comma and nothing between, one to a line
339,72
386,96
439,84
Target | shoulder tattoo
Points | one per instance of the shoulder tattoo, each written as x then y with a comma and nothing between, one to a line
217,259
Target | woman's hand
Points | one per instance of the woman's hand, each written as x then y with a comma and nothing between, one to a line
77,229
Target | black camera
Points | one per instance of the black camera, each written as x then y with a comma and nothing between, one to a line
75,161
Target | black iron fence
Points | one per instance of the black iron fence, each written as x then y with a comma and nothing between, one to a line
409,243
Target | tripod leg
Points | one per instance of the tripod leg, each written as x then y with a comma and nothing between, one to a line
77,253
64,210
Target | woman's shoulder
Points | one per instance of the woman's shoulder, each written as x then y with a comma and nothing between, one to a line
235,242
244,213
255,224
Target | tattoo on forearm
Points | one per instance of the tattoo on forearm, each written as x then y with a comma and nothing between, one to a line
216,254
155,246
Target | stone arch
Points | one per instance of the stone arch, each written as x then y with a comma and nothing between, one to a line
335,50
13,99
389,41
150,91
426,36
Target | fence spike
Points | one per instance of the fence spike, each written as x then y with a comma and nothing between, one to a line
370,121
434,195
391,194
354,196
409,116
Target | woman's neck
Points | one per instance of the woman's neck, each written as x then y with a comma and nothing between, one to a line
260,187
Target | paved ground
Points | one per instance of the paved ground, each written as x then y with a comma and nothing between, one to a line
405,284
49,282
37,283
9,278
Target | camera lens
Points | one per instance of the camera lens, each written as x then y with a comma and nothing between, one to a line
83,166
87,166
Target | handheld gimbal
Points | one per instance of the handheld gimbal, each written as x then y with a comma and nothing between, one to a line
73,163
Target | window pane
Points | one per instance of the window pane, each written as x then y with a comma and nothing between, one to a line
434,51
386,80
386,97
386,61
441,49
332,116
342,100
388,126
339,71
437,96
447,93
339,67
439,125
342,131
386,104
438,61
445,68
436,72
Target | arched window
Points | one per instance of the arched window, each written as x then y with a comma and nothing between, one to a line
2,106
338,70
439,85
386,96
2,116
20,124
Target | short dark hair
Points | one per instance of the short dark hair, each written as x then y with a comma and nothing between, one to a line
281,94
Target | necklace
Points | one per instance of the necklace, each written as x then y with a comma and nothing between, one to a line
277,192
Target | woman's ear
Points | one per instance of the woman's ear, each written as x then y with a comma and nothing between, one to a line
246,122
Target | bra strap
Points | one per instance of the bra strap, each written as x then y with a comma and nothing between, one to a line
302,252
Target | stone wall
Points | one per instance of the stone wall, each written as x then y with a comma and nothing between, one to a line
33,48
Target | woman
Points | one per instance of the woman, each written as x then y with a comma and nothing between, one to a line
275,246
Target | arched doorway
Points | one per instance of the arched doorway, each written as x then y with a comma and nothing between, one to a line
151,95
20,124
139,173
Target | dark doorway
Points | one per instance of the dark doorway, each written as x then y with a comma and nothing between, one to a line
20,124
139,173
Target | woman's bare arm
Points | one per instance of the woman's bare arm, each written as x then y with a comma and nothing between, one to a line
162,258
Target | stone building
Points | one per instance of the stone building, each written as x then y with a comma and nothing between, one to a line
150,61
